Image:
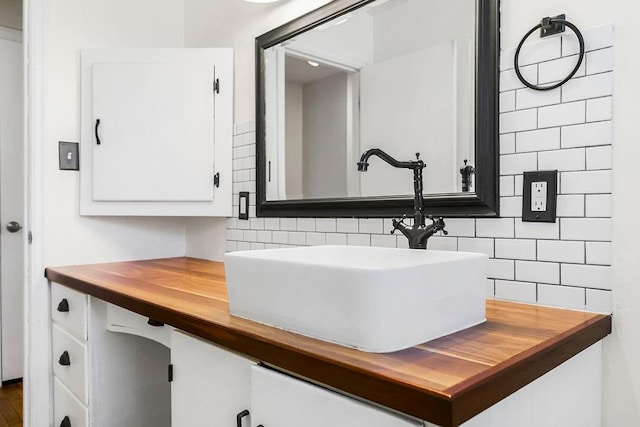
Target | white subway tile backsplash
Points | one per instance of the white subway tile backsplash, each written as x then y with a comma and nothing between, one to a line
289,224
594,38
538,140
501,269
315,239
599,301
562,160
383,240
586,182
494,227
598,205
507,101
518,121
599,109
358,240
593,229
347,225
508,143
528,98
516,291
561,251
599,133
336,239
297,238
506,186
306,224
441,243
587,276
326,225
370,225
587,87
509,80
558,69
483,246
561,296
516,249
598,253
513,164
537,230
511,206
540,51
460,227
540,272
570,205
599,157
568,129
561,115
600,61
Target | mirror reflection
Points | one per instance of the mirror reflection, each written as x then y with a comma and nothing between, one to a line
396,75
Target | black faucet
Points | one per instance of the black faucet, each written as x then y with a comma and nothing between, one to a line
418,233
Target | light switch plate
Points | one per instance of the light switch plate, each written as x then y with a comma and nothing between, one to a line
243,212
68,156
539,196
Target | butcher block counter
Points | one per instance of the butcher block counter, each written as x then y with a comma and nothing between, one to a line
446,381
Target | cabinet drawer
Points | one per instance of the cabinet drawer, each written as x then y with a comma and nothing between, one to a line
283,401
69,310
65,404
125,321
70,362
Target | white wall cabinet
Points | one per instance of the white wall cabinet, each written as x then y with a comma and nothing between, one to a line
156,135
210,386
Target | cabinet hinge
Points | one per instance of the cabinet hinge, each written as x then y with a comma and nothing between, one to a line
216,179
216,85
170,373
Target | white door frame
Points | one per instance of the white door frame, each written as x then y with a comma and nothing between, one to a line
37,383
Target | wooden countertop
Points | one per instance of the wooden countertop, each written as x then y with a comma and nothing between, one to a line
446,381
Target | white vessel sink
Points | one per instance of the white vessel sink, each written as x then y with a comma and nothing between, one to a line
374,299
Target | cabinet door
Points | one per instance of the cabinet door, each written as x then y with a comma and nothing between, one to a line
210,385
156,132
278,400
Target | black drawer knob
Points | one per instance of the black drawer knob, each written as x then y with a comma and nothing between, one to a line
66,422
64,359
240,416
154,322
63,307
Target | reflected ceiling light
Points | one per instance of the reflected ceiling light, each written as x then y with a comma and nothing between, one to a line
313,63
342,19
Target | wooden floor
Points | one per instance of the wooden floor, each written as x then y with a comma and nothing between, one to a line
11,405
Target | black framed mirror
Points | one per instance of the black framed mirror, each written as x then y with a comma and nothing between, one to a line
354,75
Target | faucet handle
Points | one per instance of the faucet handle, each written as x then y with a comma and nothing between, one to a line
398,223
439,224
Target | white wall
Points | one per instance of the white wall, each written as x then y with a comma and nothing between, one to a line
69,27
11,14
293,140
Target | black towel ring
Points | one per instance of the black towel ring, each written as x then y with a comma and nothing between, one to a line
545,23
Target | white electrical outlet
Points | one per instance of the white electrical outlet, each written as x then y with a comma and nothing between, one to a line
539,196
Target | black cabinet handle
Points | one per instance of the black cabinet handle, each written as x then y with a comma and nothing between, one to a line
154,322
64,359
63,307
240,416
97,135
66,422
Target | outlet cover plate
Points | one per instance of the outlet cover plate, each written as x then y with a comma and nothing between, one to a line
68,156
540,179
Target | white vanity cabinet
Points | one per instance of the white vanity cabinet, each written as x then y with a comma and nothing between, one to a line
156,132
278,400
211,385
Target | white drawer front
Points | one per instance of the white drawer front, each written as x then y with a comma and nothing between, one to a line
125,321
65,404
74,375
74,320
282,401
